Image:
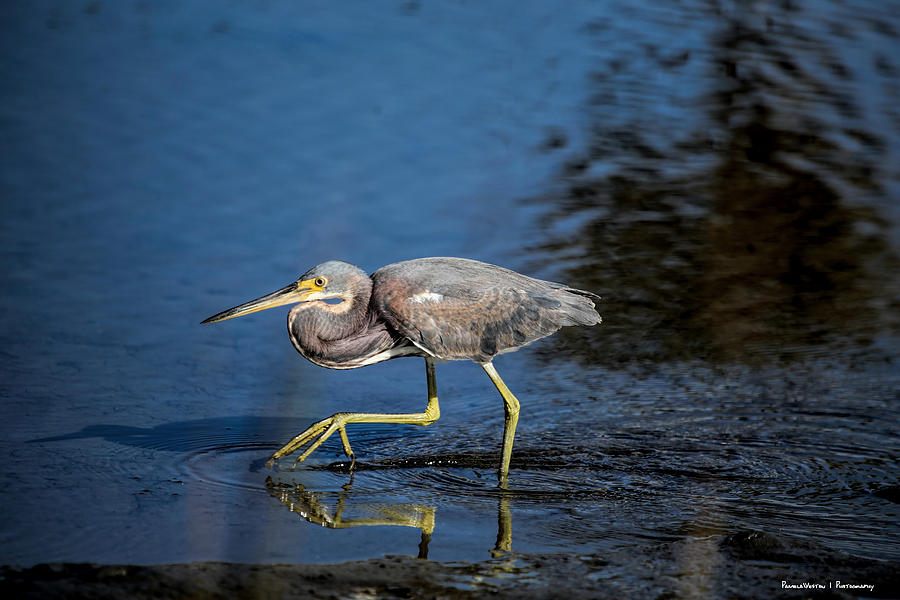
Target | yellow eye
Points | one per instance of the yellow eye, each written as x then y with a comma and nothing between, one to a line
320,282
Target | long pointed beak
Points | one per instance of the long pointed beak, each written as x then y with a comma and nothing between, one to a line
291,294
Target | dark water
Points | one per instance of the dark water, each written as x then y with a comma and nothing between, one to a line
725,175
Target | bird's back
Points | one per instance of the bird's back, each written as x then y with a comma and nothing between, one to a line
460,309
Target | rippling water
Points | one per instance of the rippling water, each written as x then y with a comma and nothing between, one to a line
723,174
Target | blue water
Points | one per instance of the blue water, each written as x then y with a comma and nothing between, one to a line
164,162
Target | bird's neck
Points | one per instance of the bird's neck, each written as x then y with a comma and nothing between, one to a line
315,325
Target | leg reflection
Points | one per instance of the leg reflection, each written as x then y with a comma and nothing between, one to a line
504,527
337,510
315,508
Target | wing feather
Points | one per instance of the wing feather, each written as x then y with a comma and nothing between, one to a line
460,309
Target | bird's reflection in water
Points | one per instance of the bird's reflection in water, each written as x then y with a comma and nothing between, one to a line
321,508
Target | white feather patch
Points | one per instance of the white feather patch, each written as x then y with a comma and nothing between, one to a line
426,297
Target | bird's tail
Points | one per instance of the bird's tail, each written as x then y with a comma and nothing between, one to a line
579,307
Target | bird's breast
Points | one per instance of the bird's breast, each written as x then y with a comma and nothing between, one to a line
328,339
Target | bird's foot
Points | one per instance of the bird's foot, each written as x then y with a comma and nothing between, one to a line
314,435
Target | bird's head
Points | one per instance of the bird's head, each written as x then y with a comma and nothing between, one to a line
333,280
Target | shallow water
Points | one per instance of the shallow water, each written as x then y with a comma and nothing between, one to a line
730,191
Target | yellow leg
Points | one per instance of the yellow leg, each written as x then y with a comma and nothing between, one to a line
338,421
511,405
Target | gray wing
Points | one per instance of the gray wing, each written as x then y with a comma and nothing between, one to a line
456,308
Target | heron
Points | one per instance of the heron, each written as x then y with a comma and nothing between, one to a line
438,308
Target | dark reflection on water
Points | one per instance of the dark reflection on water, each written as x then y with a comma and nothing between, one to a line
752,236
